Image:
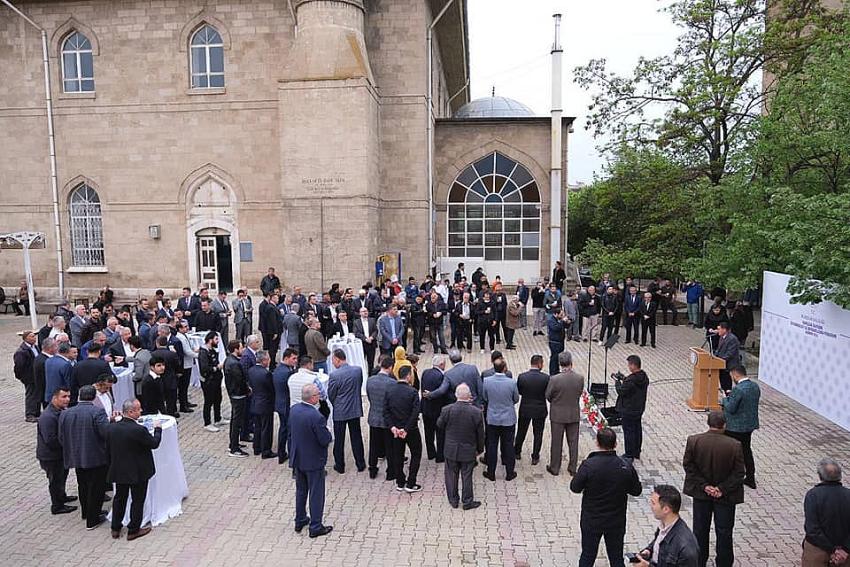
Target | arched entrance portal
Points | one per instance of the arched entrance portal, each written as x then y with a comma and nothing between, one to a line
213,236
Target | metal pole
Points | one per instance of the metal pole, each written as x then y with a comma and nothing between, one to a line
51,144
555,208
30,291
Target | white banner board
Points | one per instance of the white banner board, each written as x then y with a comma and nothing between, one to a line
805,351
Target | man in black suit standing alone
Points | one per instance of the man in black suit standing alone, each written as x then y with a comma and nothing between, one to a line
647,318
463,424
262,405
130,467
270,327
532,407
24,359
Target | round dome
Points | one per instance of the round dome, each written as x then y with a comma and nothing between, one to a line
493,107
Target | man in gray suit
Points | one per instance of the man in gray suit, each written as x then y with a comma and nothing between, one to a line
464,427
292,327
77,324
379,431
344,387
728,348
221,308
459,373
391,329
242,315
500,393
563,393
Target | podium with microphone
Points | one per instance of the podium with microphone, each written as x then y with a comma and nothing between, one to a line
706,381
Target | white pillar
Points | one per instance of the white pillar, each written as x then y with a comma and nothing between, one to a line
555,181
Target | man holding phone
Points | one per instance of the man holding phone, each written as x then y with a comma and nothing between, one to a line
674,544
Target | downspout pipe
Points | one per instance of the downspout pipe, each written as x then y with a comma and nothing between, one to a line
54,182
429,128
555,171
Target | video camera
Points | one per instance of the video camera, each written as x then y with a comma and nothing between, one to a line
619,376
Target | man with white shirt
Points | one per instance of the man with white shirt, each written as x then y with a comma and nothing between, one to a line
305,375
103,398
58,327
77,324
222,309
111,330
366,330
342,326
120,349
189,356
242,315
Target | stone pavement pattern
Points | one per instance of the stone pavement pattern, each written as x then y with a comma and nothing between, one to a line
240,512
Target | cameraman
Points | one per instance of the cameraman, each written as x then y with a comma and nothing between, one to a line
631,403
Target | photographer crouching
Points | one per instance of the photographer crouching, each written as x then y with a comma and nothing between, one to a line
631,403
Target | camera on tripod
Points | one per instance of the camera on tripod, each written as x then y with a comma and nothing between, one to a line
618,376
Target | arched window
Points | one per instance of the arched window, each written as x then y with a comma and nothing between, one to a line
86,227
494,211
77,64
207,58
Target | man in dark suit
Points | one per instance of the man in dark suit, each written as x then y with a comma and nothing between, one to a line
86,372
463,424
243,312
82,434
309,440
130,467
48,451
153,391
262,405
460,372
401,413
24,359
190,305
631,314
344,387
532,387
236,383
173,364
728,348
57,370
343,326
563,392
270,327
366,329
48,350
714,478
280,379
631,403
436,310
431,380
605,482
648,308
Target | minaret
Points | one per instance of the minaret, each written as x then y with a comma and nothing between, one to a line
555,206
329,146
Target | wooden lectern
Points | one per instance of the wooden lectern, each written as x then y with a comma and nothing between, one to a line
706,380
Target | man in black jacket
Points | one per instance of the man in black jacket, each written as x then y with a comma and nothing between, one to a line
236,383
270,327
610,310
86,372
262,405
401,413
48,451
206,319
270,283
589,306
532,407
130,467
648,308
605,482
24,359
431,408
463,424
153,391
210,367
827,509
173,364
631,403
436,309
674,544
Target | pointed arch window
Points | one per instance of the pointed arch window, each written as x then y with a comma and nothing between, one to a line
77,64
86,227
494,211
206,56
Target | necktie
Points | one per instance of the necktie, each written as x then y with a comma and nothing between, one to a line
392,324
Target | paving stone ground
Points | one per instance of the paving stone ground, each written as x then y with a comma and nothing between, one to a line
239,512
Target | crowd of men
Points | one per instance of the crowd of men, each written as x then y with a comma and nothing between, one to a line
469,416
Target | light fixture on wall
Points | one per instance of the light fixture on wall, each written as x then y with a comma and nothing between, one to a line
154,231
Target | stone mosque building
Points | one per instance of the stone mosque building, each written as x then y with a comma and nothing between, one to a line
202,142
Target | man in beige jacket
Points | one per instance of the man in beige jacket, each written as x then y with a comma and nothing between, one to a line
564,392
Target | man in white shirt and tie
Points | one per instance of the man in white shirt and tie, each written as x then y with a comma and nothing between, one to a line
366,330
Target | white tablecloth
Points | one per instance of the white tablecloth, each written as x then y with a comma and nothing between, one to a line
353,349
168,487
123,389
197,341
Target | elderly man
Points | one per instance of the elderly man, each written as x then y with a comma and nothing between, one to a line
460,372
500,393
463,424
262,404
344,386
57,370
131,466
120,350
77,324
48,451
827,509
82,435
309,454
24,361
432,379
563,393
366,330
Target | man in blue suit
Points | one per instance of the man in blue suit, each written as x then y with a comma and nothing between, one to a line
308,453
262,404
741,408
57,370
555,324
390,329
280,379
344,387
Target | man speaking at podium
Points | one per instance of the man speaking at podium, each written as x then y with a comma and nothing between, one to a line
728,349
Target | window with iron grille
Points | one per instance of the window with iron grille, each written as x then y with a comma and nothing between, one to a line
86,227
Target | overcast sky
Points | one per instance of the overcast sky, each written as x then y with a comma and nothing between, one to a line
511,40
